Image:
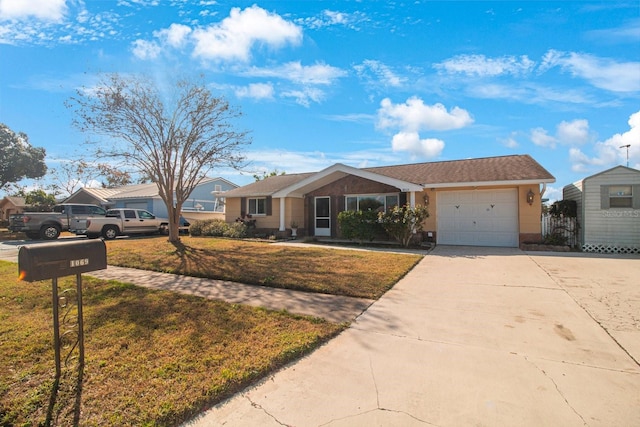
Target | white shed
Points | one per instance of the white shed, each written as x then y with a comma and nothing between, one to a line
608,210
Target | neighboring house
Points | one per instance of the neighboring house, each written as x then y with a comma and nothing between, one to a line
206,198
608,210
483,202
11,205
94,196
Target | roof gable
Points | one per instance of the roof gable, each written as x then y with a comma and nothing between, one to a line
615,168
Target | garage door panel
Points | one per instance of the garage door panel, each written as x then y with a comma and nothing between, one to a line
478,217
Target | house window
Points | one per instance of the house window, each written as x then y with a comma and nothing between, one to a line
257,206
371,202
620,196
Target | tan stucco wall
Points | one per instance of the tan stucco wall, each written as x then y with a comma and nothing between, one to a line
293,209
529,215
231,209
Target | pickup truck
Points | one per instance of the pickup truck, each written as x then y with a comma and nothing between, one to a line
49,225
123,221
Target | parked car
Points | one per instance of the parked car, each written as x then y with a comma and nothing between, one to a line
184,225
123,221
49,225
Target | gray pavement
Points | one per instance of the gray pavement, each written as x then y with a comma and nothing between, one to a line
471,336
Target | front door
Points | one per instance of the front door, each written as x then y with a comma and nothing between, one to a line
323,218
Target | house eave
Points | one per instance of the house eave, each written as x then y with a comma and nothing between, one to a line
490,183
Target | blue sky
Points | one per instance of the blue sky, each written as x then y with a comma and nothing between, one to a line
357,82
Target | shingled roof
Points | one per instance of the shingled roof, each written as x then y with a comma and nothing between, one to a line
268,186
483,171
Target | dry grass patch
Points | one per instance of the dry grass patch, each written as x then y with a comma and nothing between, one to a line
152,357
362,274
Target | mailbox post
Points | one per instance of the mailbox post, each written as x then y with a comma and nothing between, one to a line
58,259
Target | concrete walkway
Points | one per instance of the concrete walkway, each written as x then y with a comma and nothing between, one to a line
472,336
333,308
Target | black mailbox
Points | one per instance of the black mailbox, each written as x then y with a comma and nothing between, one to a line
50,260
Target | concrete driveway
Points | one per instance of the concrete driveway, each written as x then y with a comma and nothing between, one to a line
472,336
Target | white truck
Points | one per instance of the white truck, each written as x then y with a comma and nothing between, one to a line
118,222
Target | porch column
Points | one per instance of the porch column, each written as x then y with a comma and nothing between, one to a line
282,218
412,199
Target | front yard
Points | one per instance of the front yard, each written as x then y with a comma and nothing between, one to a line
156,357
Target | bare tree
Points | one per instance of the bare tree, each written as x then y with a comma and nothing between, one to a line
174,138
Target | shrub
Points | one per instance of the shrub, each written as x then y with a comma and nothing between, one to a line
564,208
217,228
235,230
359,225
403,222
555,239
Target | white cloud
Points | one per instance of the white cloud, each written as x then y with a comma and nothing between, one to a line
175,36
603,73
575,132
511,141
378,74
236,35
305,96
318,74
539,136
145,50
481,66
331,18
414,115
46,10
612,151
410,142
256,91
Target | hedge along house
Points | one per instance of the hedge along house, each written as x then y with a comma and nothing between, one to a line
608,208
481,202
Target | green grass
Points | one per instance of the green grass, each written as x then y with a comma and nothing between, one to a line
362,274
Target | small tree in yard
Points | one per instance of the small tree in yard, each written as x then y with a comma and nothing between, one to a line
402,222
175,139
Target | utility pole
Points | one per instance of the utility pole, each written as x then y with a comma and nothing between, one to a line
627,147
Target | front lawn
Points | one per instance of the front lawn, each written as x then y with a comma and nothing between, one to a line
153,358
157,358
365,274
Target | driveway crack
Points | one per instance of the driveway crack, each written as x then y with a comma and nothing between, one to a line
261,408
584,422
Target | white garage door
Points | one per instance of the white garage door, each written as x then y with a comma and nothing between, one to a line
478,217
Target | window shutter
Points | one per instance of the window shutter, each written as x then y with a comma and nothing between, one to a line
243,206
269,202
635,191
604,197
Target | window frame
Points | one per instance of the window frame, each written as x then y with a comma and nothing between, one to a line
358,197
622,201
257,206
